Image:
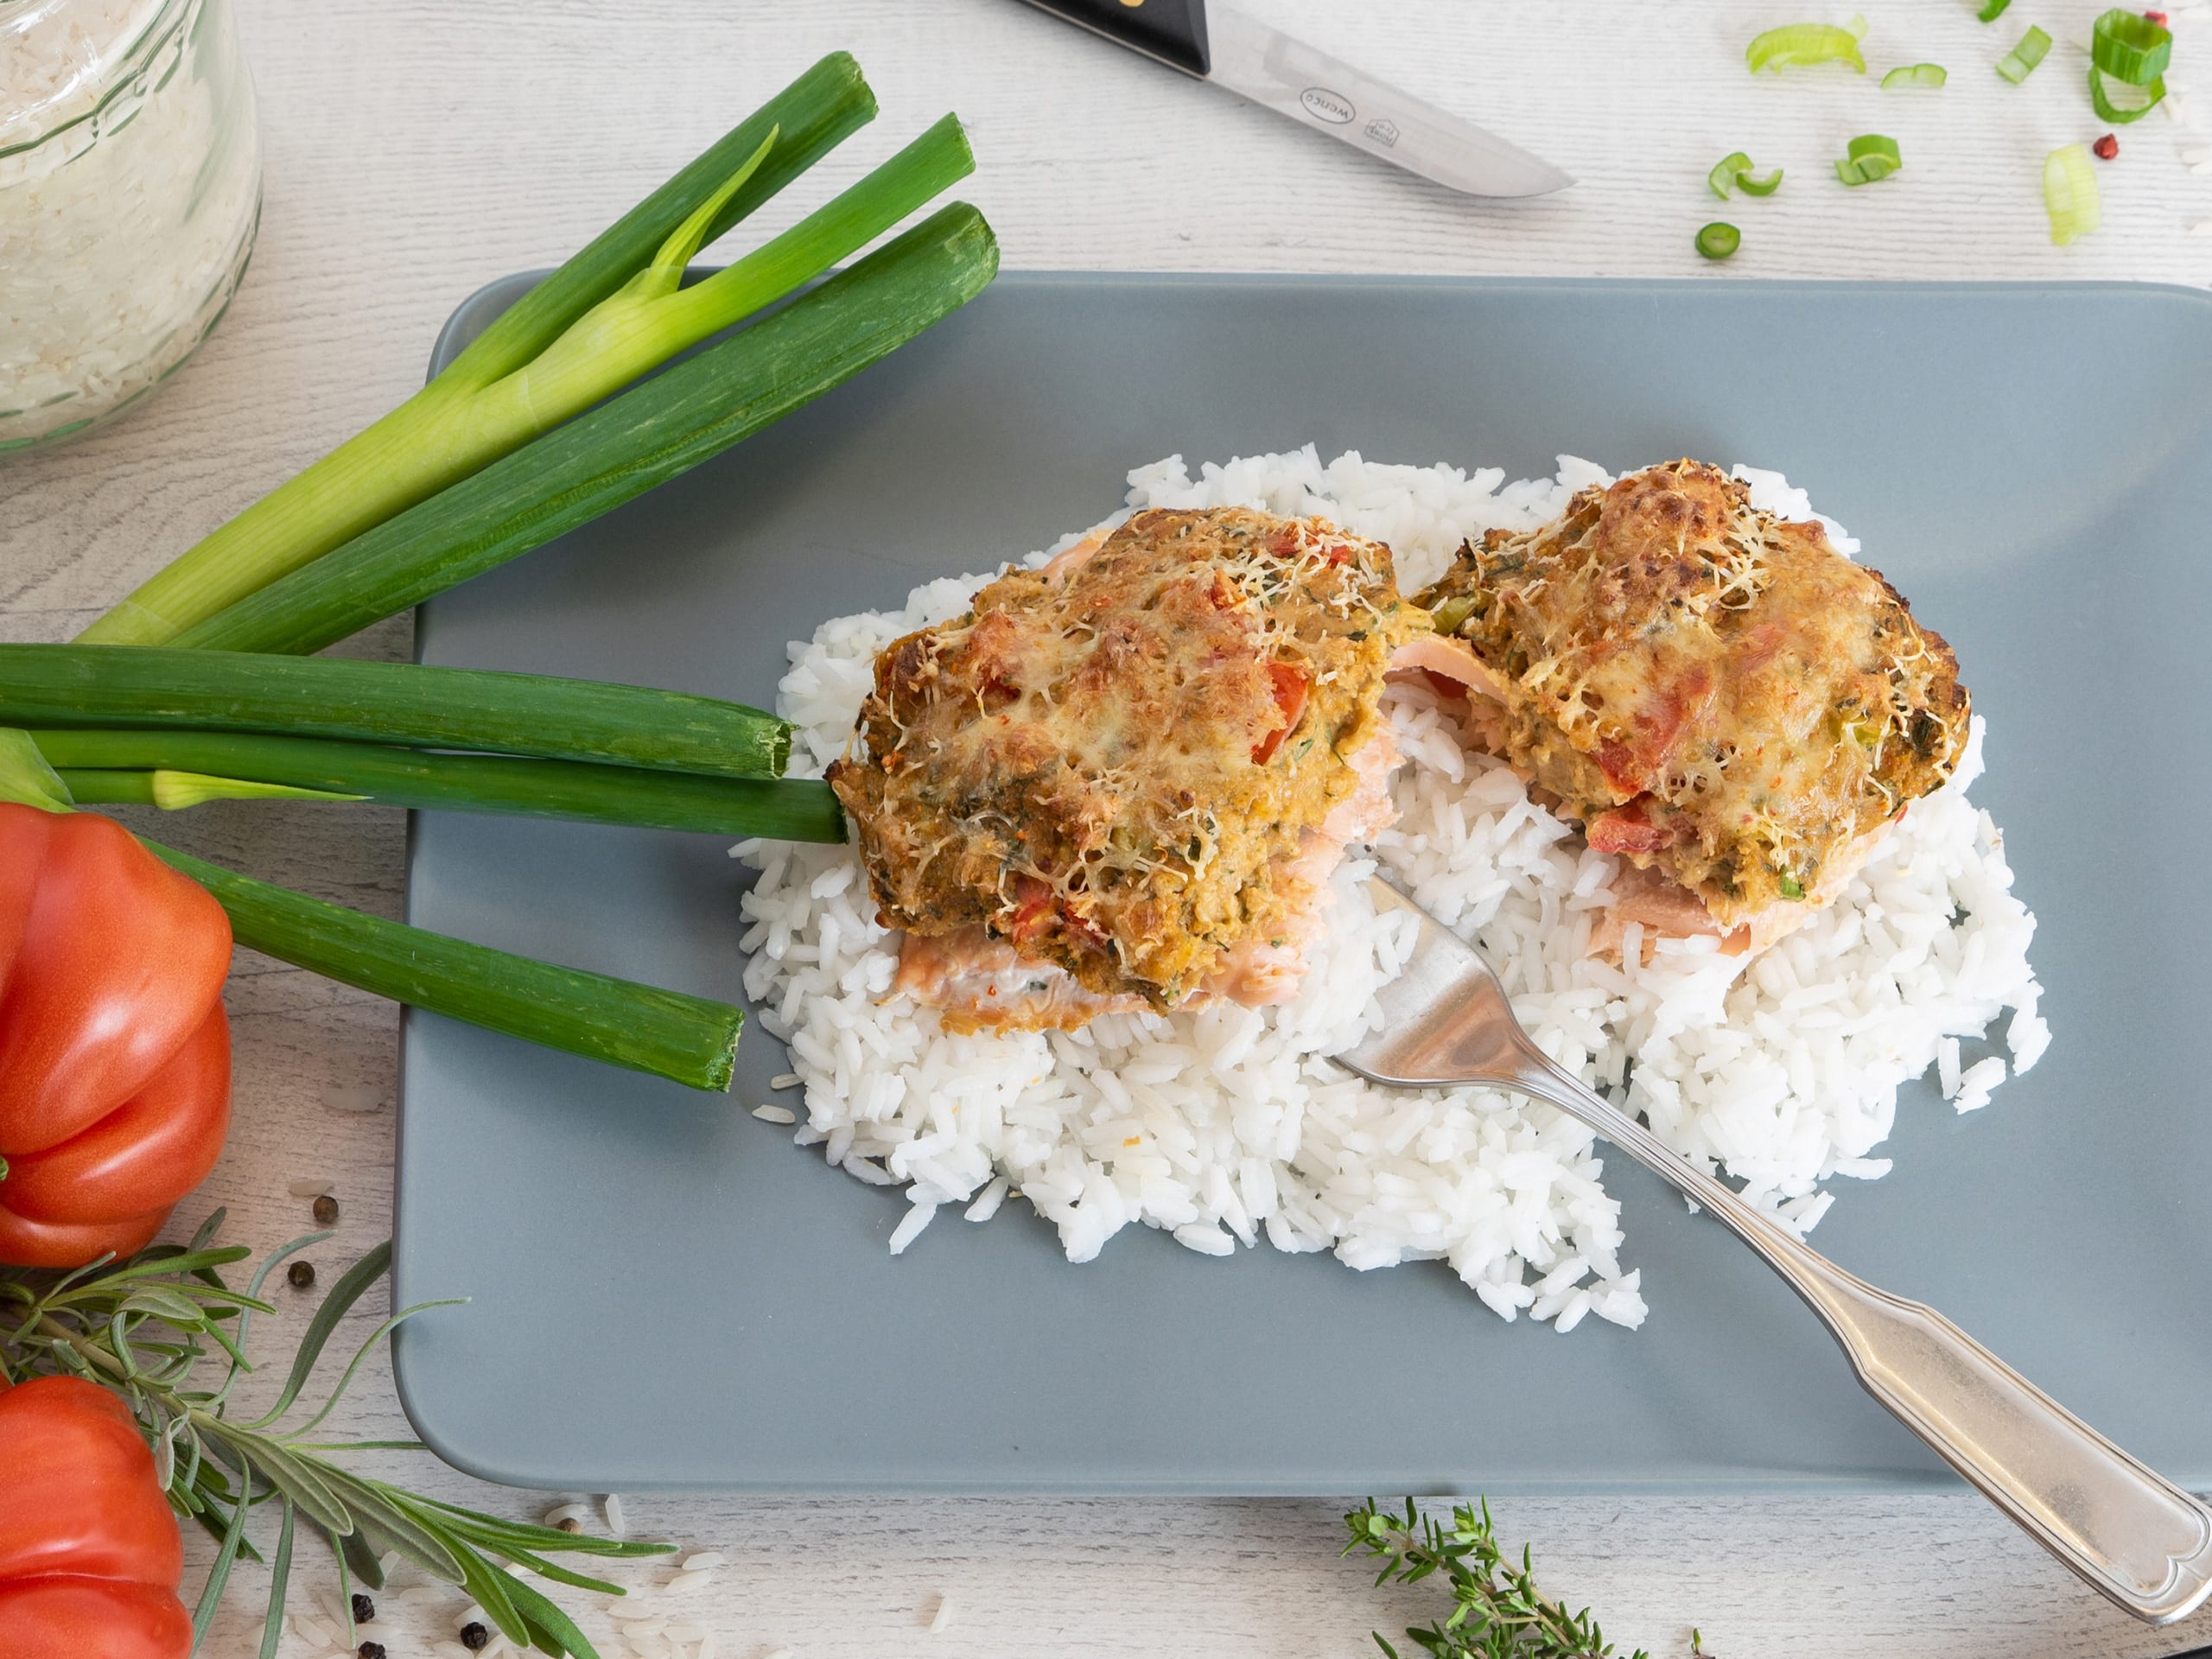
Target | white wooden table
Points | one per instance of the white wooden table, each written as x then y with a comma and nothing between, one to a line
417,148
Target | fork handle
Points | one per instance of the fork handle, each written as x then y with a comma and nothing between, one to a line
2128,1531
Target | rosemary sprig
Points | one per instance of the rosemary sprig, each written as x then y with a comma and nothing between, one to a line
1497,1611
141,1327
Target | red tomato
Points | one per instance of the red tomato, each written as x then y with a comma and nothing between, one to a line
1290,684
114,1056
89,1558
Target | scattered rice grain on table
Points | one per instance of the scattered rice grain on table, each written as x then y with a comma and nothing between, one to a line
1224,1127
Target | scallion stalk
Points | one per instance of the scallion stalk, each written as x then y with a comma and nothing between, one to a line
688,1039
388,702
1798,45
107,767
174,792
487,404
647,435
2070,193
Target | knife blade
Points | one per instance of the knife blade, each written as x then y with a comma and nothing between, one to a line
1278,71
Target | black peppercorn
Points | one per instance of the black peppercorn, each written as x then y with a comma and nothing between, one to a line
325,1211
365,1611
475,1637
371,1651
302,1274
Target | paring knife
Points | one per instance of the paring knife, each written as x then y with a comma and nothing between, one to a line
1215,43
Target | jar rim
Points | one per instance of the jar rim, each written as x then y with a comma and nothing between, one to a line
166,20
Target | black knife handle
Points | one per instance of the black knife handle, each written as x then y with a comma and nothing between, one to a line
1173,31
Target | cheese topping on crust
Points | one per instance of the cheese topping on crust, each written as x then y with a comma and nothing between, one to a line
1711,691
1113,764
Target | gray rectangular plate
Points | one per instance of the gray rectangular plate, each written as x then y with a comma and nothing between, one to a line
666,1292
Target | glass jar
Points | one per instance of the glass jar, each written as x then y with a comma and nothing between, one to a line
130,191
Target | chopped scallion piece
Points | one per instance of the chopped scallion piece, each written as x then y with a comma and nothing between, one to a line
2130,48
1795,45
1733,172
2120,114
1868,157
1790,887
1915,74
1994,9
1857,26
2020,63
2069,193
1719,239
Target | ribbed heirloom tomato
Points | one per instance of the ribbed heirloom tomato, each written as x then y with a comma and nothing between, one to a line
90,1557
114,1056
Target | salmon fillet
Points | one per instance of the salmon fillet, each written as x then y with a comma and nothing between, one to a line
1122,781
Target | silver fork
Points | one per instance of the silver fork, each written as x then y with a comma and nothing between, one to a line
2132,1534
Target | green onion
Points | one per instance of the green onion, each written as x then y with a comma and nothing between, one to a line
1795,45
778,809
389,702
2133,51
1734,172
470,416
1992,10
173,791
642,438
1915,74
1719,239
2120,114
2130,48
2020,63
1790,887
2070,195
26,777
688,1039
1868,157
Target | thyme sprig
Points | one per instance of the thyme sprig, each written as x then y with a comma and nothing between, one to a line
1497,1611
141,1328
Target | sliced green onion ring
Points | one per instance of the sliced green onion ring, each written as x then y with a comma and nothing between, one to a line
1795,45
1857,26
1719,239
2070,193
1993,10
1868,157
2130,48
2020,63
1733,172
1915,74
2120,114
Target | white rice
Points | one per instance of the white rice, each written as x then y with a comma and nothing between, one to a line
1225,1126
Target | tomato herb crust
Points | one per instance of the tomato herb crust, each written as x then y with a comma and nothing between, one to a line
1110,763
1709,690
